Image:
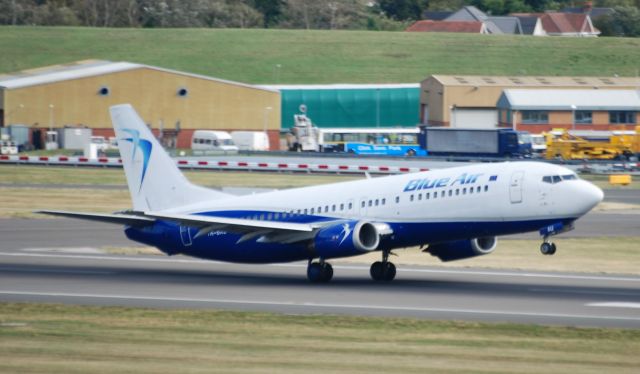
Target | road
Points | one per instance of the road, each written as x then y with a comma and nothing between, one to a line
423,292
54,260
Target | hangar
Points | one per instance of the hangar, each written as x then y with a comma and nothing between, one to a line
173,103
470,101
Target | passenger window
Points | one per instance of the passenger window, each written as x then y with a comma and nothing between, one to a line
377,202
277,216
305,211
262,217
319,209
441,193
486,188
326,208
478,189
464,191
312,211
363,203
269,217
450,192
370,203
457,191
419,196
351,206
384,201
342,207
397,199
333,208
426,196
411,198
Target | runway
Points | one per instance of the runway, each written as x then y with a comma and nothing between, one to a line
423,292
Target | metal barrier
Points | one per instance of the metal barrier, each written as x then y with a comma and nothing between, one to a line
217,165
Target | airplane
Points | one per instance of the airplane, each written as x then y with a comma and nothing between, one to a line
454,213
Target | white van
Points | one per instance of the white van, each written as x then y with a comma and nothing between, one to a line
251,140
208,140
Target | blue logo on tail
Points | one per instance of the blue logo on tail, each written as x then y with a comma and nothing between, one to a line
144,146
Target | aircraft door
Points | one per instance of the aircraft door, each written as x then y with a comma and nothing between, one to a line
515,187
185,236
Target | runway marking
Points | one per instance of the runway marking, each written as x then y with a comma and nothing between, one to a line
343,267
319,305
16,270
543,290
616,305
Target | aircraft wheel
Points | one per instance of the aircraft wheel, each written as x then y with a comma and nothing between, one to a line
376,271
327,272
319,272
389,271
547,249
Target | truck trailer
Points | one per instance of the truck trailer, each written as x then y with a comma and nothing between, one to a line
507,143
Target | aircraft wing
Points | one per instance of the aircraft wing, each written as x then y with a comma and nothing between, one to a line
120,219
266,231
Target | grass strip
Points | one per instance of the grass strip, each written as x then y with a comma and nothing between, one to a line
46,338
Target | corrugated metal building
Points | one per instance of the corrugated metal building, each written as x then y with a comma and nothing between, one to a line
79,94
542,110
470,101
352,105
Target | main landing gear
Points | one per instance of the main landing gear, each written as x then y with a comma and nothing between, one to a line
383,270
547,248
319,272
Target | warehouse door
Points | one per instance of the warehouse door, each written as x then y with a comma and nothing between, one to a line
474,118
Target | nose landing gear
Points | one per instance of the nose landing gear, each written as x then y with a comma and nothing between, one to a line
383,270
547,248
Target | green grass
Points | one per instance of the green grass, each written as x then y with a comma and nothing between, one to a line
43,338
320,56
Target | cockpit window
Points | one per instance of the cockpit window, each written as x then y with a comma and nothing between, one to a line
553,179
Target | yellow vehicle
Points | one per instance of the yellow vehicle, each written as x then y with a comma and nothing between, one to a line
563,145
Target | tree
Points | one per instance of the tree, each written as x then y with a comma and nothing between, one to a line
403,10
270,9
625,21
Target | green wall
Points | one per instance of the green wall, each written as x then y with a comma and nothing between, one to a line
353,107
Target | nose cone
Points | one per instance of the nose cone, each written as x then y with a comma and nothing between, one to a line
590,195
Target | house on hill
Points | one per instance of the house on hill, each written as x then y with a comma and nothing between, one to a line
564,24
448,26
588,9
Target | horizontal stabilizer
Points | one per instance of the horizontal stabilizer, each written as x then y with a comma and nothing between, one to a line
120,219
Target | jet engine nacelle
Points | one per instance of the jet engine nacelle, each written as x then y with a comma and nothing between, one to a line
461,249
349,238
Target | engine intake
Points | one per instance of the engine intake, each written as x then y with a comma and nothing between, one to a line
461,249
349,238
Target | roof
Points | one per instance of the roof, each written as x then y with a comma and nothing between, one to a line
528,24
436,15
592,12
339,86
536,81
446,26
558,99
507,25
90,68
468,13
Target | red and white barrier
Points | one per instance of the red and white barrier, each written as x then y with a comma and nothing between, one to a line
217,165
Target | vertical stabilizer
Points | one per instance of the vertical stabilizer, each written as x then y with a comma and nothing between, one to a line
154,180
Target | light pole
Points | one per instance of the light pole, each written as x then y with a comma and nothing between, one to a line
266,120
51,106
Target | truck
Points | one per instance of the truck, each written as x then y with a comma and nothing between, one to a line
303,136
444,141
251,140
209,140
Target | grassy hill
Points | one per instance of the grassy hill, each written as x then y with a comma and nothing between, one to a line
253,56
